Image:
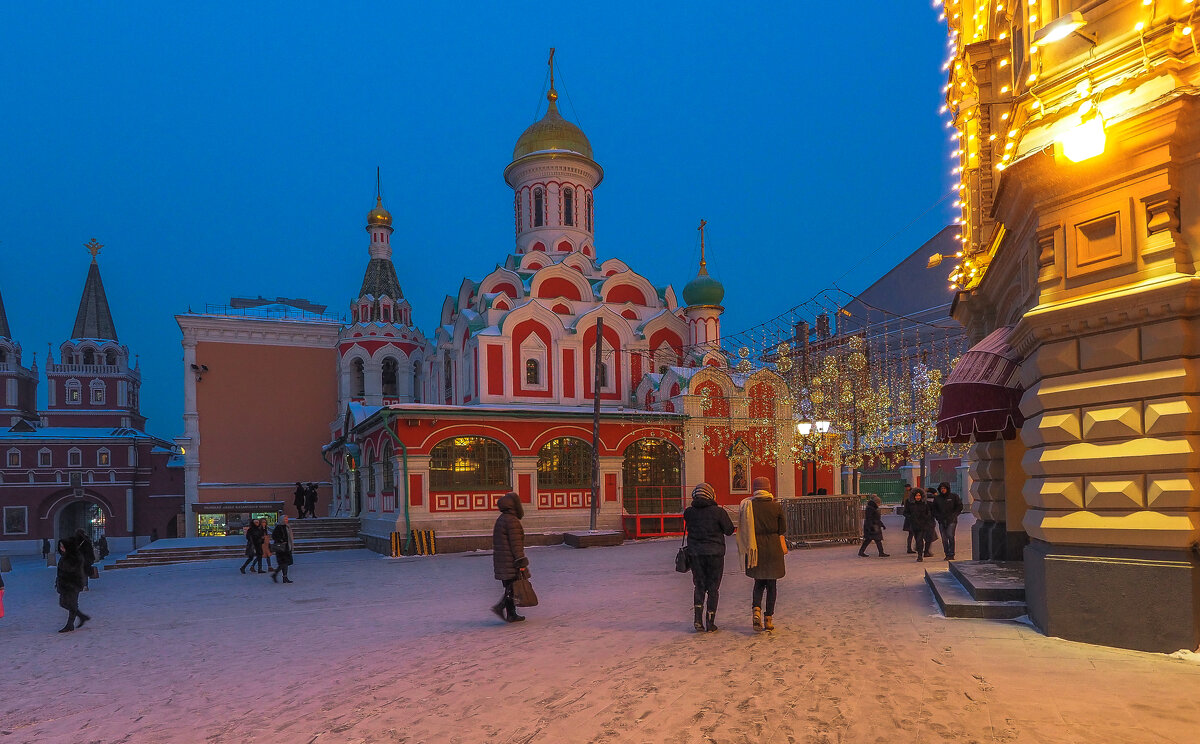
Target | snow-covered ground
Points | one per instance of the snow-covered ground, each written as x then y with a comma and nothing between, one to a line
367,649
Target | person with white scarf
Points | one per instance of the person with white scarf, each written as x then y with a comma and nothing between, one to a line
761,544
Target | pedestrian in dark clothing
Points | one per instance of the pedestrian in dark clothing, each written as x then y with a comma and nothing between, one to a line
921,513
931,535
298,500
761,532
285,545
310,499
707,526
947,506
88,552
69,582
254,535
873,528
265,543
508,554
102,546
907,526
45,548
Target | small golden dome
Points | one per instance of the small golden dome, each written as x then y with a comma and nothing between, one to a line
379,215
553,133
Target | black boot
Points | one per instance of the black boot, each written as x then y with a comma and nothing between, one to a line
698,622
510,611
498,608
82,619
712,621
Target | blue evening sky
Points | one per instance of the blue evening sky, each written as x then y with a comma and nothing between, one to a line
229,149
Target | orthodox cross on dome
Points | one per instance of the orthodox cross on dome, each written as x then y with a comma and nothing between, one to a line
553,94
703,263
93,248
378,187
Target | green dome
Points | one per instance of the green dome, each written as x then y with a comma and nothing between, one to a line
703,290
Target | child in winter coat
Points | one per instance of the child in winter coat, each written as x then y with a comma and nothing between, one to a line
873,528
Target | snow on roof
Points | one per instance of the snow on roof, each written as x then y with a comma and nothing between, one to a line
75,432
543,408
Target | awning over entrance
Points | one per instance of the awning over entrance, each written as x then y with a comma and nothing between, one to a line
982,395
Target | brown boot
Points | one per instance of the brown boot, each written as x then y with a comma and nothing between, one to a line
767,624
757,619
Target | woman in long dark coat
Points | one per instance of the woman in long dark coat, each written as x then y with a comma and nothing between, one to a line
508,554
907,526
285,544
707,526
921,513
761,531
872,528
69,582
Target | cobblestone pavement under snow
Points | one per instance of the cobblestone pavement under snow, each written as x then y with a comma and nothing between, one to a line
367,649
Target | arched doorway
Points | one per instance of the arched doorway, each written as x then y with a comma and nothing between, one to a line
84,515
653,488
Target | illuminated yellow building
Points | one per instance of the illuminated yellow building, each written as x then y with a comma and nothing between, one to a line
1078,132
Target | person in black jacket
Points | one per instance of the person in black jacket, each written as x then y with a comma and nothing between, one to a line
947,505
285,544
873,528
254,554
69,582
920,512
707,526
310,499
907,526
508,554
298,500
88,552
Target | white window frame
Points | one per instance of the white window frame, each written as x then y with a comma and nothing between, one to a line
103,458
74,386
96,386
8,458
533,348
24,510
49,461
74,458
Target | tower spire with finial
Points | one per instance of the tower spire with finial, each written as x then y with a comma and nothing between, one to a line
552,95
703,262
93,248
378,188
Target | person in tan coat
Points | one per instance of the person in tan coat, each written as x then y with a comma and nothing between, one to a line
266,546
760,538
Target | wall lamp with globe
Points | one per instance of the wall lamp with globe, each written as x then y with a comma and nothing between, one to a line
1087,138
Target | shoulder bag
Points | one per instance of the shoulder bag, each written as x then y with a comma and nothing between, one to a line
683,561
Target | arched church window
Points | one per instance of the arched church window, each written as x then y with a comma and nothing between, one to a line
538,208
89,356
110,358
3,356
448,379
390,372
533,372
74,394
469,464
418,382
603,375
358,379
97,388
652,474
565,462
587,212
568,206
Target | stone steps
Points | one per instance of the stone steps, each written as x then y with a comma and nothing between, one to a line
166,557
978,589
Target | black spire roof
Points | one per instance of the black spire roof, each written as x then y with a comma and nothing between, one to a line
4,331
94,320
381,280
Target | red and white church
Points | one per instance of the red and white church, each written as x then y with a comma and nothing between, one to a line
435,428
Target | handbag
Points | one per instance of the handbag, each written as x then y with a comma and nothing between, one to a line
523,593
683,561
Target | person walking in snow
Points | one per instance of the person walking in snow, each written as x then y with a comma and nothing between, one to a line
873,528
88,552
310,500
253,547
760,537
69,582
508,554
707,525
298,500
921,514
285,545
265,541
45,548
947,506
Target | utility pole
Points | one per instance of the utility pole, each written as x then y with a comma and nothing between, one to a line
596,423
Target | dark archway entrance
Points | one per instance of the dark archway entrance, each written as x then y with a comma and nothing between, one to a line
83,515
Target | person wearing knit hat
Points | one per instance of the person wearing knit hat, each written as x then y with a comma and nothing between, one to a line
707,526
762,529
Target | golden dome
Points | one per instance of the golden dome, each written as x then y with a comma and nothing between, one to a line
379,215
552,133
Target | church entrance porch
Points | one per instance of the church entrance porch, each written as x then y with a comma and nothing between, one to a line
653,489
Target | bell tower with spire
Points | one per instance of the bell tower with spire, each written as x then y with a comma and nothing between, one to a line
380,353
18,385
703,296
93,385
554,176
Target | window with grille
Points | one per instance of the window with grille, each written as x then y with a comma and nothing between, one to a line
539,205
469,464
533,374
74,458
568,206
45,460
652,478
565,462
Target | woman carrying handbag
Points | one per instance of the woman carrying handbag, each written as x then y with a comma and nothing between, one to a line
509,563
707,525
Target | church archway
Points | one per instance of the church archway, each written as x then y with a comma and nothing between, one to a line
81,514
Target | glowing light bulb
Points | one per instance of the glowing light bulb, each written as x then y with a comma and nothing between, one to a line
1086,140
1139,26
1004,116
1187,30
1004,89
